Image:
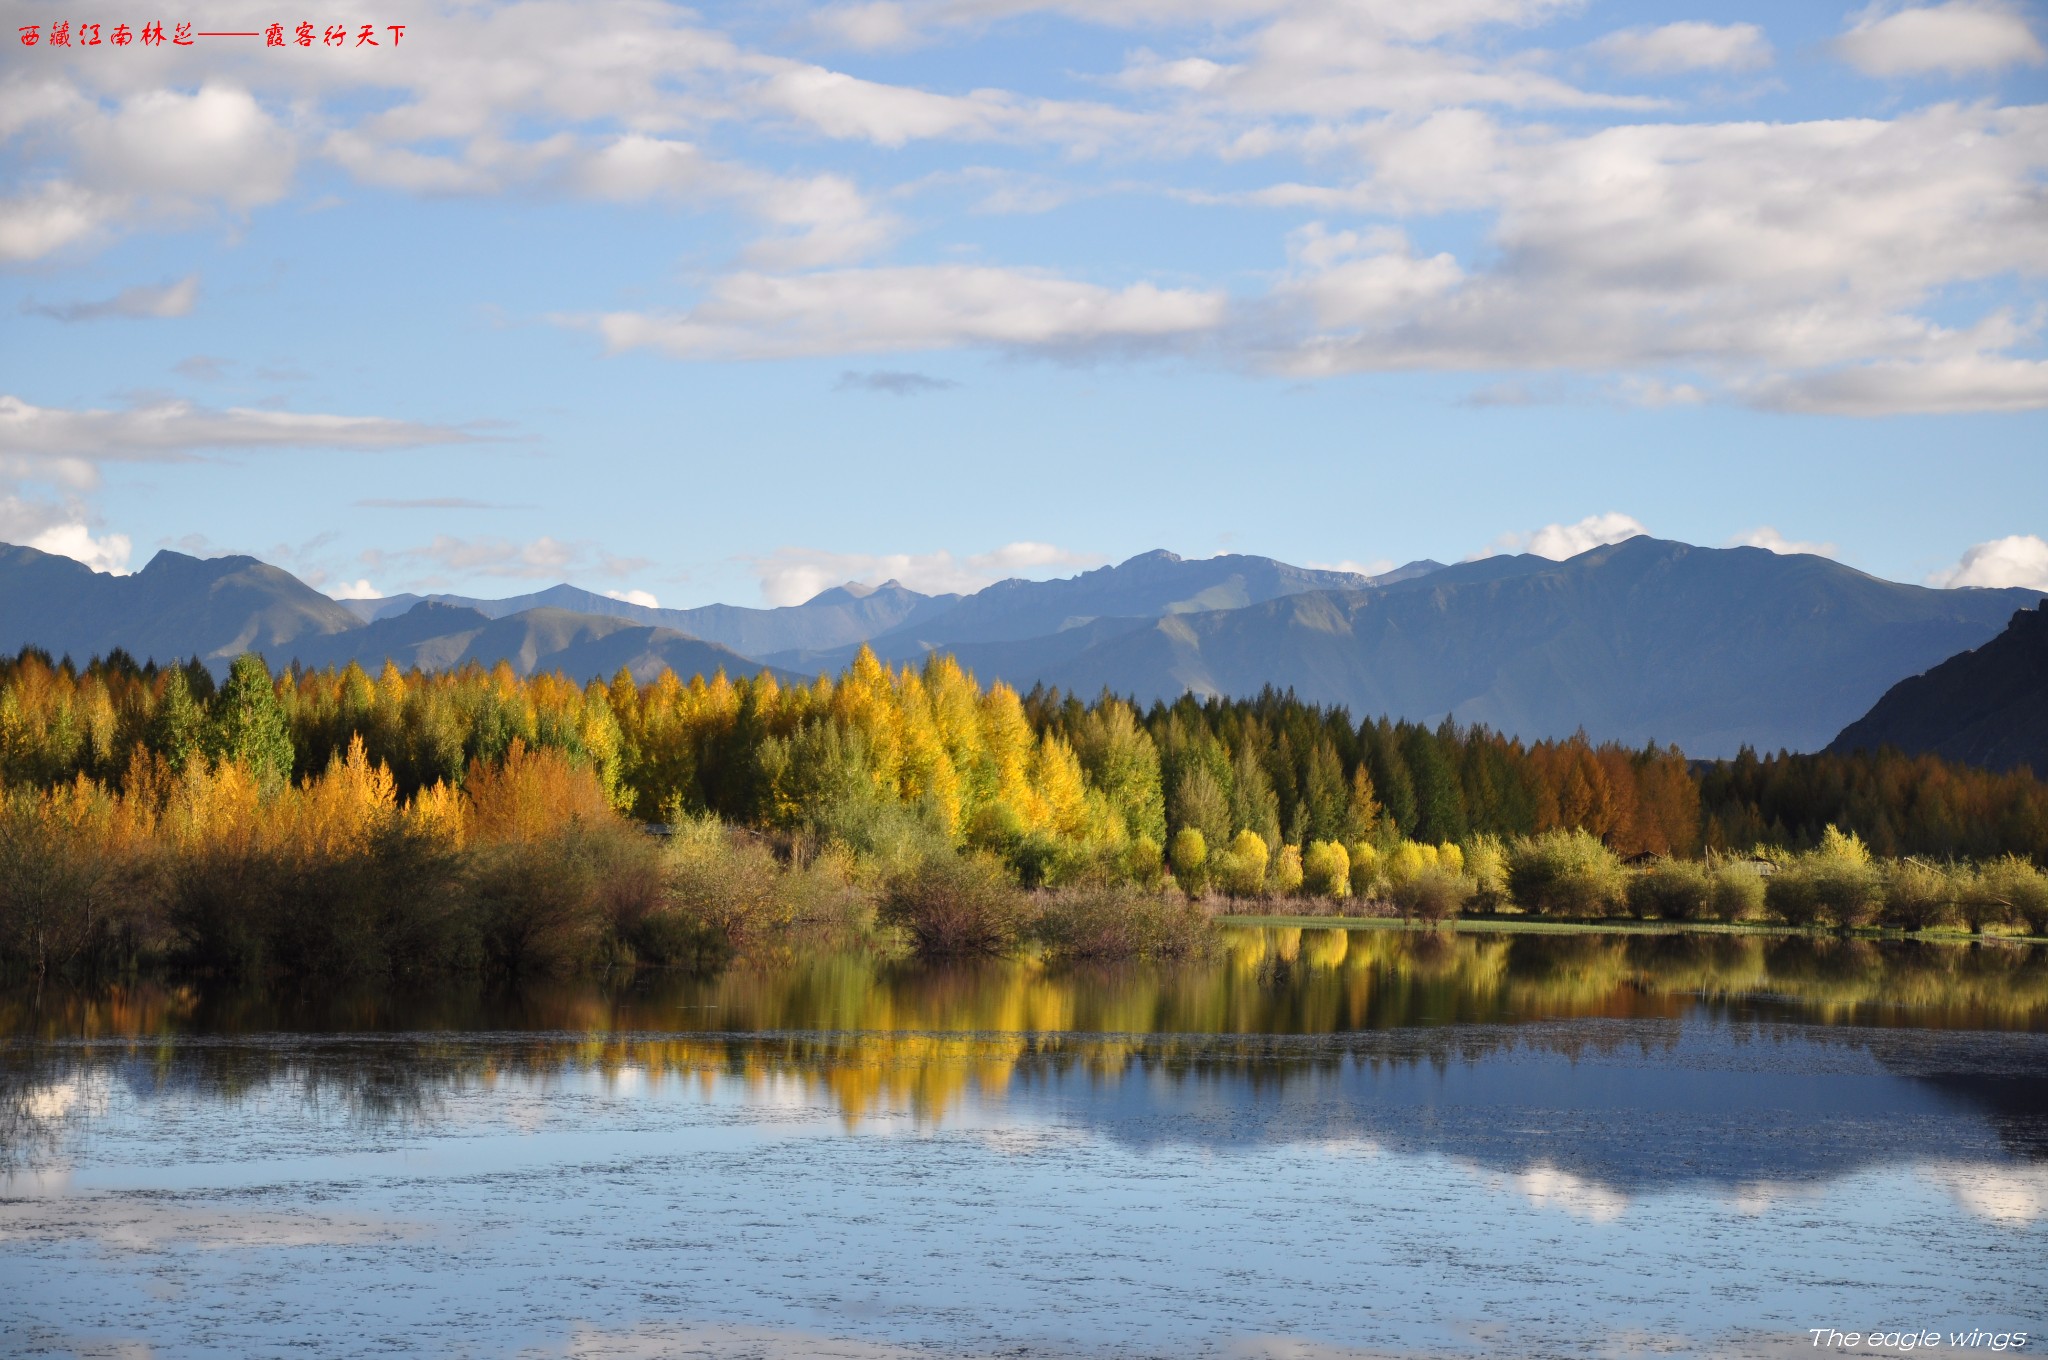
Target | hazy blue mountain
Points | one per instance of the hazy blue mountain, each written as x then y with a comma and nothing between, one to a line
843,616
1987,706
175,607
1150,586
1708,648
437,636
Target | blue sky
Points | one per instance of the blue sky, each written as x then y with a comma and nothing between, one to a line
736,302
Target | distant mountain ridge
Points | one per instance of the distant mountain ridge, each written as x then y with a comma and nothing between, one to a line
1707,648
837,617
1710,649
1152,585
436,636
176,607
1987,706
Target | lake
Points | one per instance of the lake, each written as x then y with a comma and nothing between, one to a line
1320,1143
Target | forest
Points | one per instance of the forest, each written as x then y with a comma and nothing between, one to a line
142,784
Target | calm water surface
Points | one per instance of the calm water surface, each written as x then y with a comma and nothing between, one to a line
1322,1143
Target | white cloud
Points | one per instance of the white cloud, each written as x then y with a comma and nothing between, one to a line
1799,266
793,575
107,552
358,589
1970,382
217,143
639,597
1769,539
869,28
175,429
1560,541
155,155
1331,61
142,301
1687,46
1774,259
760,316
2016,560
51,216
1957,38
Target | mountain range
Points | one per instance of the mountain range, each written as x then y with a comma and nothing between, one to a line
1707,648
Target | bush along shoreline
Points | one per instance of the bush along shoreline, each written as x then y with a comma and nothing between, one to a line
907,810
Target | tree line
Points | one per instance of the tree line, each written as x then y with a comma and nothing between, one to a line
1032,776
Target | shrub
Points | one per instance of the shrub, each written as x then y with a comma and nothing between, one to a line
1117,922
1918,896
1486,864
1240,869
1564,873
1671,890
1431,895
721,891
1409,859
1735,892
956,904
541,904
1832,884
1284,877
894,836
1145,863
392,903
219,904
1365,869
1326,870
60,881
1190,860
2008,889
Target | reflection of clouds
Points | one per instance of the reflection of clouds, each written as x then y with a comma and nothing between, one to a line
1549,1187
1752,1199
627,1081
2013,1194
144,1223
85,1093
35,1118
42,1182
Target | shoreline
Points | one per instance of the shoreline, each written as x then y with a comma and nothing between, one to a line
1552,926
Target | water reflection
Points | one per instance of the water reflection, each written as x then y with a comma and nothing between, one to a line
1412,1039
1268,981
1684,1136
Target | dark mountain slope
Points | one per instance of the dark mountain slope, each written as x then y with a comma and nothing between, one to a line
1708,648
177,606
1987,707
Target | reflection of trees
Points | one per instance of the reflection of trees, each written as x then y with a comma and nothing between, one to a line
1278,1006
